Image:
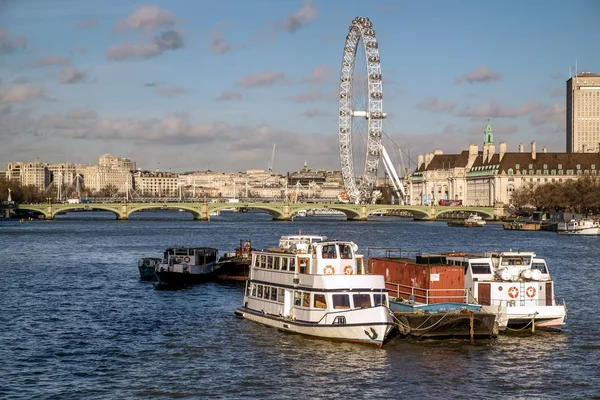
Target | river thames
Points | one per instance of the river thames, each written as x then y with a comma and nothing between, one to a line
77,323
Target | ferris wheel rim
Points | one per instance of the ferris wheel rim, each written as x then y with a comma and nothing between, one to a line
360,31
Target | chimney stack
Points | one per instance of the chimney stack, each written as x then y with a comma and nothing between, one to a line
473,153
419,160
502,150
520,147
533,150
544,150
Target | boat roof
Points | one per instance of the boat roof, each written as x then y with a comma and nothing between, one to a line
303,236
205,249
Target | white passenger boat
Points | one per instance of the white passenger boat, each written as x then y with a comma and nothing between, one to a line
516,285
475,220
316,287
585,226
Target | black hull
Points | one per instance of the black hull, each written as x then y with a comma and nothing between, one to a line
232,270
445,326
147,273
176,280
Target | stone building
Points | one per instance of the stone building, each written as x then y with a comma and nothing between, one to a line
487,178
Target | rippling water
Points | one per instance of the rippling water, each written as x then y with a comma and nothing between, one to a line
76,322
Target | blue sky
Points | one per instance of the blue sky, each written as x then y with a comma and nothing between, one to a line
197,84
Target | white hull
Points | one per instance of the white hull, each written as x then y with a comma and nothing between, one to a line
369,326
584,231
524,316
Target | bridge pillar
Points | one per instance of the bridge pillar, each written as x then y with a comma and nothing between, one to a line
286,212
498,211
50,213
123,211
432,216
363,212
204,214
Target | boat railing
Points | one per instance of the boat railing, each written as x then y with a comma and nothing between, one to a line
427,296
386,252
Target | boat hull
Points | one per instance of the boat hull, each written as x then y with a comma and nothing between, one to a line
146,273
232,270
524,317
445,325
444,320
359,328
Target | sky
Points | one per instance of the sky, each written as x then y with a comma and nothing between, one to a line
191,85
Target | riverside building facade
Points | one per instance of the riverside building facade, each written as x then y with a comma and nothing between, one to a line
583,113
487,177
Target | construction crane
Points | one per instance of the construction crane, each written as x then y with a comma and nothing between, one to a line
272,160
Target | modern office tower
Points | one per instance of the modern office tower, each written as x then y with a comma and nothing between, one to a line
583,113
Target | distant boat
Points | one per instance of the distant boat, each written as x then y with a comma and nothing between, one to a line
473,221
584,226
319,212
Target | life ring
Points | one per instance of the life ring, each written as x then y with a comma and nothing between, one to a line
348,270
513,292
329,270
530,292
186,259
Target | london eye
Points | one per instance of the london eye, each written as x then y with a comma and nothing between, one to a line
360,111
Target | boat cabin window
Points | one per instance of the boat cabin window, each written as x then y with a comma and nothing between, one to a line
267,292
380,299
276,262
305,299
292,264
341,301
329,251
274,294
284,264
269,262
541,266
259,293
361,300
254,290
480,268
280,295
303,265
518,260
319,301
297,298
345,251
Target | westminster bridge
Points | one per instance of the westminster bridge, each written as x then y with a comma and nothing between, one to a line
280,211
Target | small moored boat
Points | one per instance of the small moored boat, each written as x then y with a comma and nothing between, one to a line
316,287
183,266
146,267
473,221
234,266
515,285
